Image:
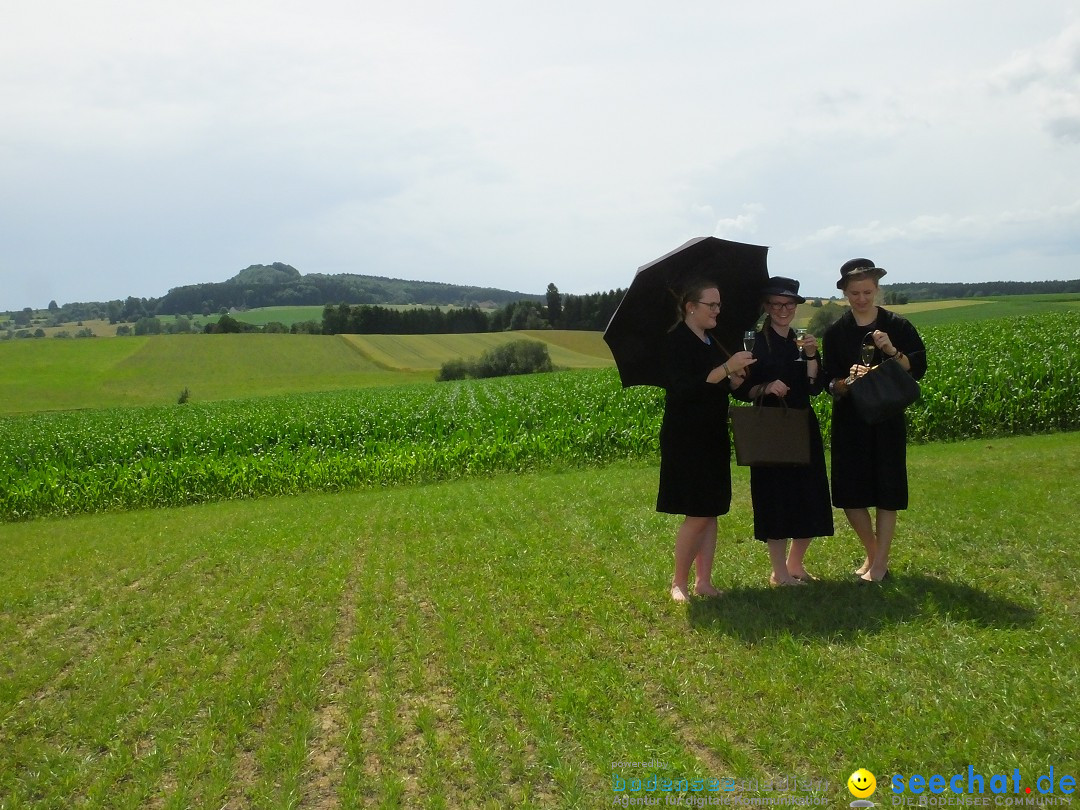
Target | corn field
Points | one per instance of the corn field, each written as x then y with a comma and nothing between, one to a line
989,378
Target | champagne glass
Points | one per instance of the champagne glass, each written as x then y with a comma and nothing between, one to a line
868,350
748,338
800,336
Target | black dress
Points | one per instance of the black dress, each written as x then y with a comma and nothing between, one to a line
869,462
788,501
695,451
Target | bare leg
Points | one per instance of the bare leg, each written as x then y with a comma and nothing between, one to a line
779,575
795,565
861,523
703,571
886,528
688,543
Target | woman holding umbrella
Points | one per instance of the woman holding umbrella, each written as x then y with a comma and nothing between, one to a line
869,462
695,450
789,502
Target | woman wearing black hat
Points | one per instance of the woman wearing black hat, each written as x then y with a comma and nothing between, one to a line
869,462
789,502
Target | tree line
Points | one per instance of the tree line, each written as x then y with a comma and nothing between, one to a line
576,312
938,290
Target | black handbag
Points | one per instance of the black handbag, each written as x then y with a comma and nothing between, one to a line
883,392
770,437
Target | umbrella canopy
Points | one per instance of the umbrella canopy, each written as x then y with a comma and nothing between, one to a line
649,309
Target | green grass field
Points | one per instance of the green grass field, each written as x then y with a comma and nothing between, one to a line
506,640
961,310
40,375
933,313
429,352
43,375
509,642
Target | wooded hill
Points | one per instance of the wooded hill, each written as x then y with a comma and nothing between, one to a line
279,284
283,285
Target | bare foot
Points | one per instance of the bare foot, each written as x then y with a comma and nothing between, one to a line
781,583
679,594
874,575
706,589
803,575
862,569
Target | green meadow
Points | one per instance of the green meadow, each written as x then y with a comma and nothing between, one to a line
508,642
485,622
42,375
934,313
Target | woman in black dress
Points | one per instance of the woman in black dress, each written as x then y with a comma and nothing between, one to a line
789,502
695,451
869,462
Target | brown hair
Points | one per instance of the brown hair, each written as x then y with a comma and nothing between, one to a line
692,292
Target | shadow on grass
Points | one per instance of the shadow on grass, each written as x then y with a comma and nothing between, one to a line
846,610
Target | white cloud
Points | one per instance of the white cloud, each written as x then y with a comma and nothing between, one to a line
743,224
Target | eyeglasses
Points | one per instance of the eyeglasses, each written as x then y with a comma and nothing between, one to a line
788,305
713,305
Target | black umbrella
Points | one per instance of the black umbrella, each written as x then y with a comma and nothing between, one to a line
649,309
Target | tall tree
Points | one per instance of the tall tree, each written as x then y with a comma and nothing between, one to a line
554,305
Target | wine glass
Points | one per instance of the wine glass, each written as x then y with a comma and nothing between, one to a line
800,336
748,338
868,350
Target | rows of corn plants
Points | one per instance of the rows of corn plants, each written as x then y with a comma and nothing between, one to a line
1001,377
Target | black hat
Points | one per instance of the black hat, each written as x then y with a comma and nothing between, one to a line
853,269
789,287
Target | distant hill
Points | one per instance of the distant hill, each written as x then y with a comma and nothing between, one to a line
936,290
280,284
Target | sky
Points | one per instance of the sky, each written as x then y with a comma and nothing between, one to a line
150,145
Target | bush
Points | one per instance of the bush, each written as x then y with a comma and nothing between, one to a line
516,357
453,370
823,318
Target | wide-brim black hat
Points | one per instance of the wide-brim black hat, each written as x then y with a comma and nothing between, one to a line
780,285
854,269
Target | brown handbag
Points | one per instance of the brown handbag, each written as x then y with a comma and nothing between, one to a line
770,437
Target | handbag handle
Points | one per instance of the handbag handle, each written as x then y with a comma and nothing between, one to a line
760,399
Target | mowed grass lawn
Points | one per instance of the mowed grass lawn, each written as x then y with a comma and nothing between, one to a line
508,642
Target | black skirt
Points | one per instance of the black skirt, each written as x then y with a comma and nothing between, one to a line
695,451
869,462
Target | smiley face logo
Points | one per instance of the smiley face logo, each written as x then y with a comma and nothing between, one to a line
861,783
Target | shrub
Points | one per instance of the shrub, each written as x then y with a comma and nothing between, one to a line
515,357
453,370
824,317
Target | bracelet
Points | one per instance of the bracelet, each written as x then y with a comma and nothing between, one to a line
809,358
727,371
